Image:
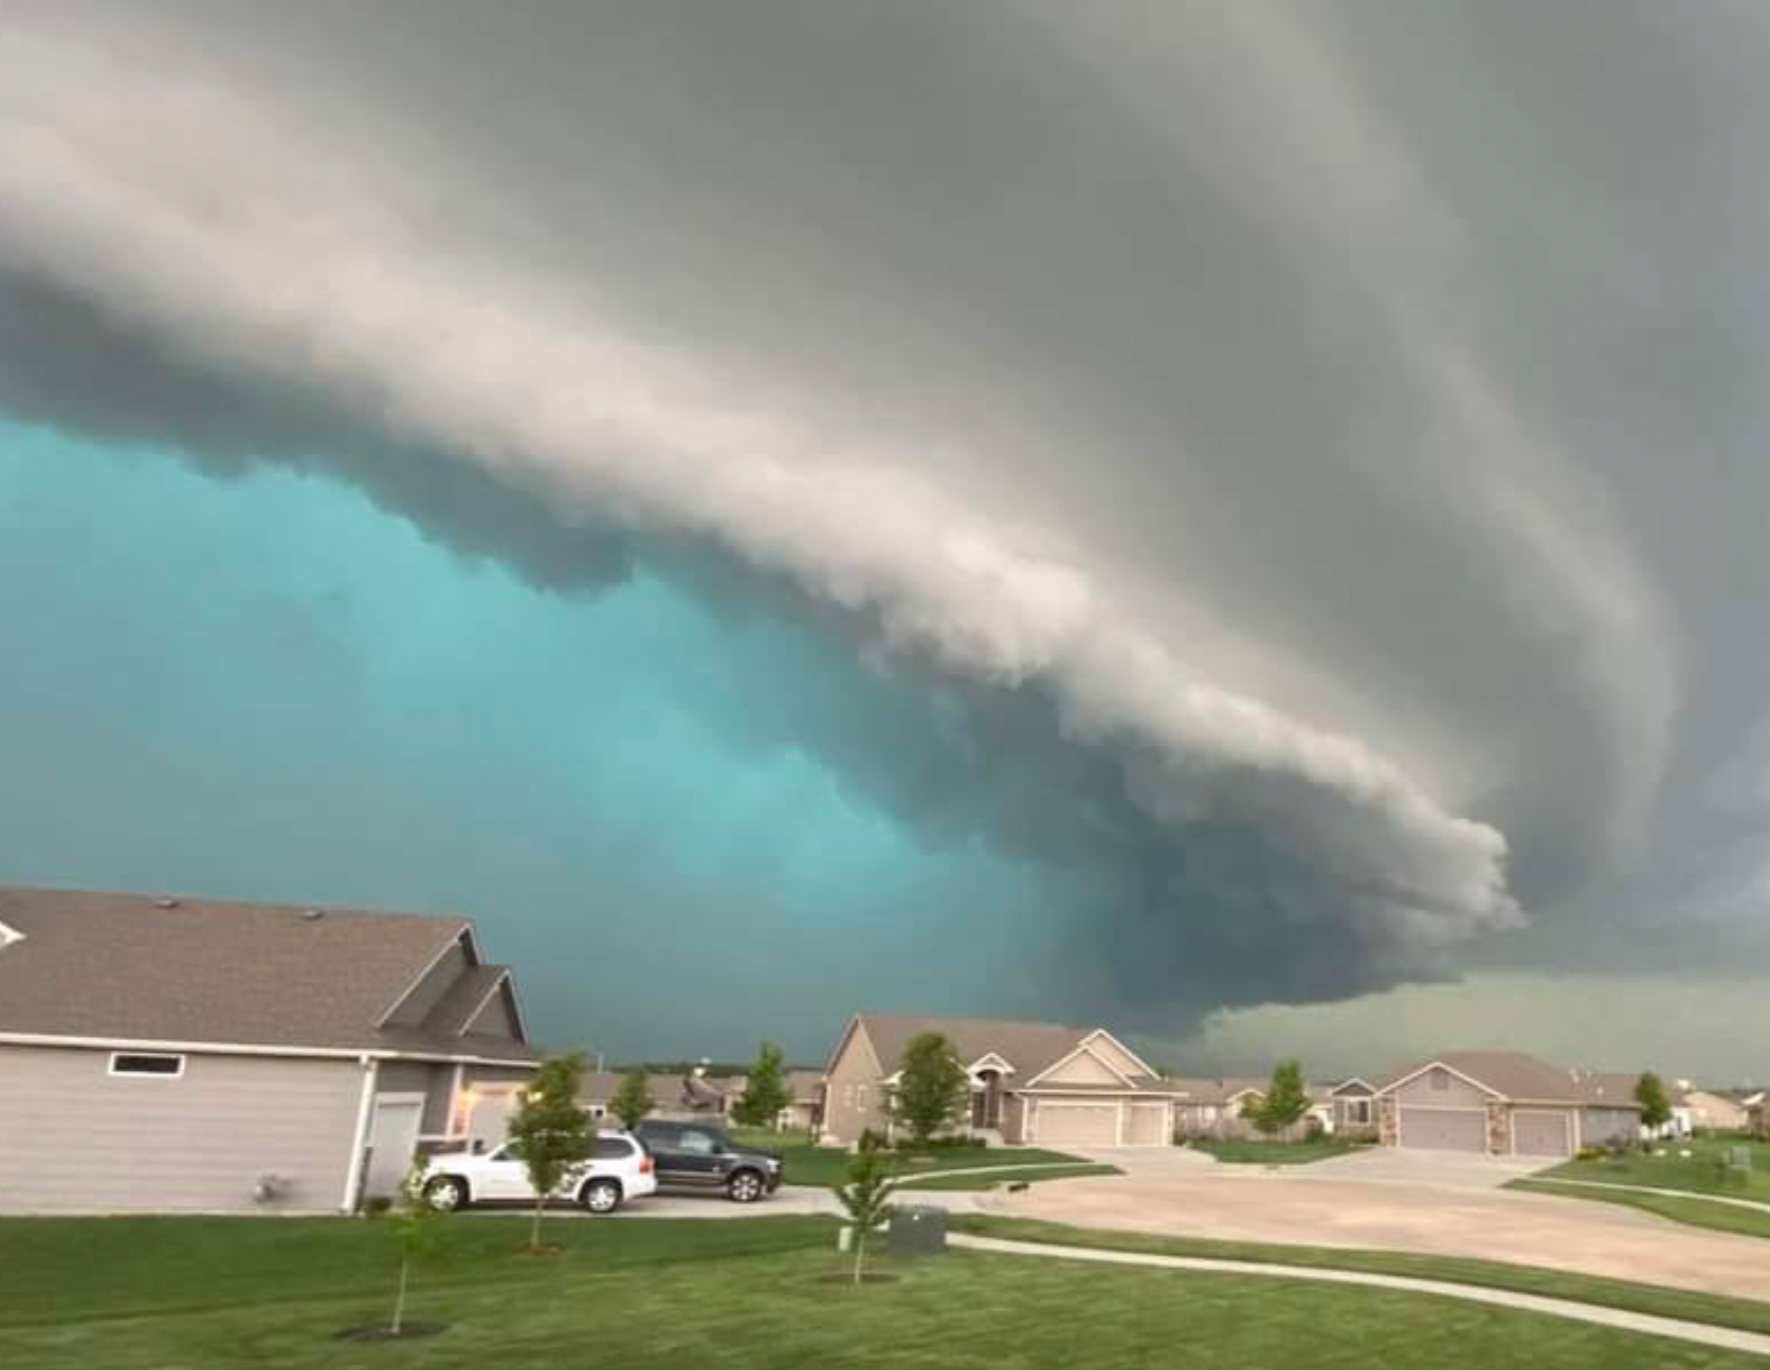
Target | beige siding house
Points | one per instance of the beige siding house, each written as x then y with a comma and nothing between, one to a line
1504,1103
1708,1111
187,1055
1031,1083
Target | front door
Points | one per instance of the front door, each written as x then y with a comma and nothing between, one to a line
393,1137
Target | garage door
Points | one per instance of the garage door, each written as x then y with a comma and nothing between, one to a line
1147,1125
1078,1124
1444,1129
1545,1133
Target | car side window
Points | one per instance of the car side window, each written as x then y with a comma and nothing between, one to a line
698,1143
611,1149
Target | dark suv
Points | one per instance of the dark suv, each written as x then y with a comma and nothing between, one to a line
702,1156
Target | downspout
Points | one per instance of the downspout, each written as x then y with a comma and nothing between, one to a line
353,1177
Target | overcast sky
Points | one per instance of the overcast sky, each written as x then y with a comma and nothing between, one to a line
1139,513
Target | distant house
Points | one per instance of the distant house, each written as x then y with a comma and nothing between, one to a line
191,1055
1206,1107
1707,1110
805,1098
674,1097
1504,1103
1757,1113
1215,1108
1353,1105
1031,1083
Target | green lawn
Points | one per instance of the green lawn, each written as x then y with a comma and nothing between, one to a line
1689,1305
809,1164
646,1294
1251,1152
1702,1172
1695,1211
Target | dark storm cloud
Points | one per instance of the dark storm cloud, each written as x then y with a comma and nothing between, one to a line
1268,439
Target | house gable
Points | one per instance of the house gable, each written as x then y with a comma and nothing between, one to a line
1083,1066
1117,1055
498,1015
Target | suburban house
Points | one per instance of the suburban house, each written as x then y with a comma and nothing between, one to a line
1757,1113
1213,1108
1704,1110
1353,1107
1031,1083
192,1055
805,1097
1504,1103
675,1097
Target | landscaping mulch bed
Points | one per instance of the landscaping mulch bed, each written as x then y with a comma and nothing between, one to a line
412,1331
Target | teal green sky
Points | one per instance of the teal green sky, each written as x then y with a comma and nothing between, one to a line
1245,524
265,687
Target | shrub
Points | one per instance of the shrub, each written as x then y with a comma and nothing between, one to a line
1590,1153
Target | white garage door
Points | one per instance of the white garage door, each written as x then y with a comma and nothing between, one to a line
1548,1132
1444,1129
1078,1124
1147,1125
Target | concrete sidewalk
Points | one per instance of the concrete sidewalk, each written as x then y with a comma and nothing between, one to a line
1726,1338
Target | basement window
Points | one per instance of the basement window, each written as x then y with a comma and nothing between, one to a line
163,1065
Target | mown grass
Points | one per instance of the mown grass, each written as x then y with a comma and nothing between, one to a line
809,1164
1665,1166
209,1294
1694,1211
1252,1151
1745,1314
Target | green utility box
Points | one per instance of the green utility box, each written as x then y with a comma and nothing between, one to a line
917,1230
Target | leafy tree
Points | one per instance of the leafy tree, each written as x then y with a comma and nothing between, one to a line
552,1132
1650,1093
933,1089
632,1100
765,1095
1285,1102
416,1225
866,1199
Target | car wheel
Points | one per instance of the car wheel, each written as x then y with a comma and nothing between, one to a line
446,1194
600,1196
745,1187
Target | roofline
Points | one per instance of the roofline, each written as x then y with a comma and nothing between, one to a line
982,1063
49,1039
9,935
464,928
479,1008
1415,1074
1076,1051
1355,1080
1113,1037
842,1045
1100,1091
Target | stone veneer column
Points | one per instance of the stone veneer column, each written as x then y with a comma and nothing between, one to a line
1499,1132
1388,1124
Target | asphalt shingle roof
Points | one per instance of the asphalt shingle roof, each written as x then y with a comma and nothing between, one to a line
131,967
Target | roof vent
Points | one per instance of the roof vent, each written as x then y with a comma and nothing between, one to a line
313,915
165,901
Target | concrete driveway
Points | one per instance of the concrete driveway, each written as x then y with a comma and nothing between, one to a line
1457,1212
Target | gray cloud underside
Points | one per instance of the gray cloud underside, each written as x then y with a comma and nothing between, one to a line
1405,403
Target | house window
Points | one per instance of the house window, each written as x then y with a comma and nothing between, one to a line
1358,1110
146,1063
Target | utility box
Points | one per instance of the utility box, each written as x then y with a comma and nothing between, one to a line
917,1230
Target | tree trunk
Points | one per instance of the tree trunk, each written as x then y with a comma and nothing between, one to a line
399,1304
860,1249
535,1230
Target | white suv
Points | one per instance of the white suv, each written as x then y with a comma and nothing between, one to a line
620,1168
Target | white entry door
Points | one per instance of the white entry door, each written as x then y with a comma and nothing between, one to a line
393,1137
